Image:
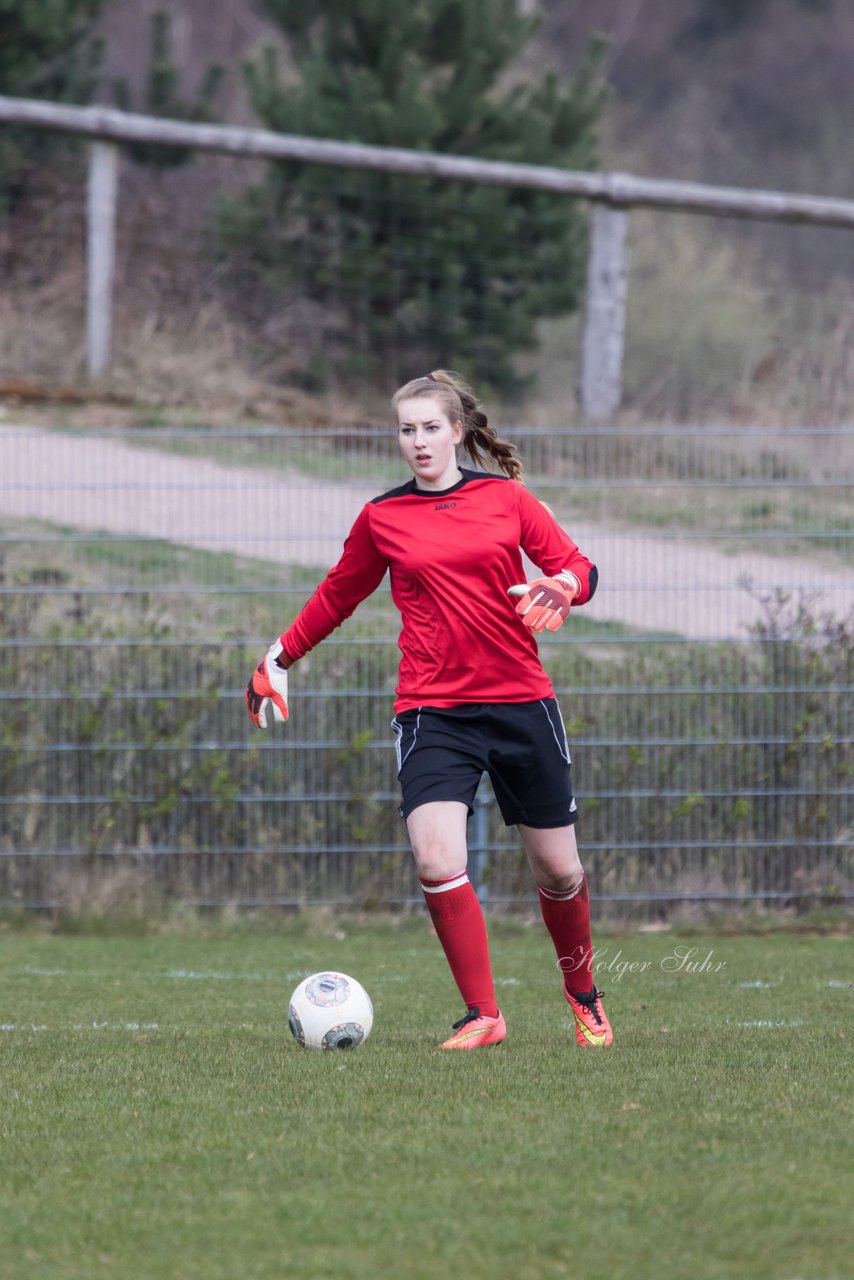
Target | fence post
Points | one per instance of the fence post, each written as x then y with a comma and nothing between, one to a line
100,254
604,313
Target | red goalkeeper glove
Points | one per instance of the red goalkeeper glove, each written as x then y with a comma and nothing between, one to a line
544,604
268,686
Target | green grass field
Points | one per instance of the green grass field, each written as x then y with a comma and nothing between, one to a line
159,1121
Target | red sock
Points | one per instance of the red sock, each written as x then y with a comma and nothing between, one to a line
458,920
567,918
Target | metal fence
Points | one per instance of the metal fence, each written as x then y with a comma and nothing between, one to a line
708,689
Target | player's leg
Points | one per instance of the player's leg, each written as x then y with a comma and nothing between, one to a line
437,833
565,906
531,772
440,764
564,901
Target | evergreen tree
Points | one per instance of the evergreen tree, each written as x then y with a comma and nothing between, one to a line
435,272
47,50
163,96
44,51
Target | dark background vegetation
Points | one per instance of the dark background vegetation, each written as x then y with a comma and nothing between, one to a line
752,92
744,320
301,296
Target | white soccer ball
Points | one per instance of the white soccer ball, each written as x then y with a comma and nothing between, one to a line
330,1011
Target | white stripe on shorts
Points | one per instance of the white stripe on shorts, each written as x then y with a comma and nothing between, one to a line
563,747
398,729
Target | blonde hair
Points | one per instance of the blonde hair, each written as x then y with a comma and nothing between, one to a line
456,397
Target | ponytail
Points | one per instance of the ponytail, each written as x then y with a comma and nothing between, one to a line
480,440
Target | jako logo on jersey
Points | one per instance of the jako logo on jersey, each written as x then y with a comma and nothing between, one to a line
444,506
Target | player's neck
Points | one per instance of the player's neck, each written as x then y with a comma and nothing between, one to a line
447,480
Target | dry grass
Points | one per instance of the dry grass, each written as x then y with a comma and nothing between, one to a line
710,335
85,890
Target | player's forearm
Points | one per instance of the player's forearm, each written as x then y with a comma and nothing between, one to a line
314,622
357,574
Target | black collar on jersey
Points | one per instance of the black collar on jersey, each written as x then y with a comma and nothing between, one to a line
410,489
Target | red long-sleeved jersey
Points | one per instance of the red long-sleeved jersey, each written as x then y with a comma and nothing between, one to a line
452,555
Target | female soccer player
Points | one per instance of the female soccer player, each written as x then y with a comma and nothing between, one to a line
472,694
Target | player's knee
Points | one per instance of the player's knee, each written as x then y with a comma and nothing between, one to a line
435,860
567,885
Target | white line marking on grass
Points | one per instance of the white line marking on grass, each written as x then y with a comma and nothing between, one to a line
758,986
765,1024
839,986
85,1026
202,975
507,982
179,974
276,1028
115,1026
33,971
187,975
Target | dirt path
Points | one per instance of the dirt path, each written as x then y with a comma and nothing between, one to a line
95,484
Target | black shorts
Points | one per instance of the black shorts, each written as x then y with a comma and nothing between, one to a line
443,752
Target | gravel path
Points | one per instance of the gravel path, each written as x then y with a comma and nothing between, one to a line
686,586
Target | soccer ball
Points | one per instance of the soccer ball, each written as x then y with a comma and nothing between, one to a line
330,1011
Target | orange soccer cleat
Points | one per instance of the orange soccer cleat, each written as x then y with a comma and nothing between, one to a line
592,1027
473,1031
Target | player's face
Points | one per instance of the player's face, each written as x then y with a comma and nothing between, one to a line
428,442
